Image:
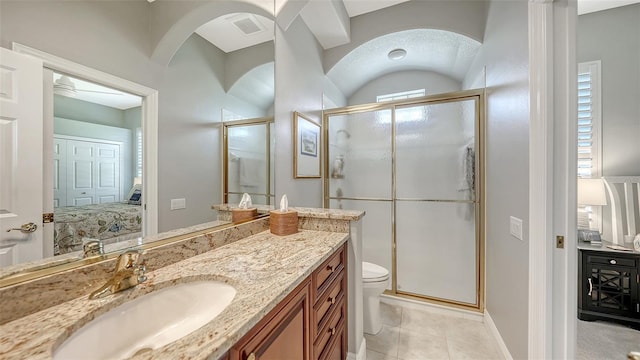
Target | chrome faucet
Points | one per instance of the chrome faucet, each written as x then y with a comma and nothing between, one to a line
129,273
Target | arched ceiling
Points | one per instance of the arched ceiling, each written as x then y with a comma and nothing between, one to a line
256,86
440,51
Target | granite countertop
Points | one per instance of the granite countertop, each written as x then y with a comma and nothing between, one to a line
334,214
263,268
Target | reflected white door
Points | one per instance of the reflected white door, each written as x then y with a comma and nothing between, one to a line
21,190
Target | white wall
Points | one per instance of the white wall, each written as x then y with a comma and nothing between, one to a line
432,82
189,146
505,55
299,87
111,36
613,37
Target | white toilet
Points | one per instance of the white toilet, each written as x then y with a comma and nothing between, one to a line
375,279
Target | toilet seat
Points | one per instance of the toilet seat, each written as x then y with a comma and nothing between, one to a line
373,273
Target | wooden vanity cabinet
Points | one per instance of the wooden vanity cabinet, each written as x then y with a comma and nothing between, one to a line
282,334
310,323
329,315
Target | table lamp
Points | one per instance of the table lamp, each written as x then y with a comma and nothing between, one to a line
591,192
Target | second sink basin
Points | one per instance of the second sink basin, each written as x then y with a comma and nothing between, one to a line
148,322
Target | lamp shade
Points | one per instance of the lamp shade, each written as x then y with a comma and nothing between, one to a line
591,192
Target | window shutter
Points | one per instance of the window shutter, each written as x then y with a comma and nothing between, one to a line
139,152
589,132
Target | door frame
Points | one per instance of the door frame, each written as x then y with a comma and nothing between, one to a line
149,126
552,304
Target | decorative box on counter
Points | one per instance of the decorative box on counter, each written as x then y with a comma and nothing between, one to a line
243,214
283,222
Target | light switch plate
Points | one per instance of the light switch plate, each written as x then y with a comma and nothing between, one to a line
515,227
177,204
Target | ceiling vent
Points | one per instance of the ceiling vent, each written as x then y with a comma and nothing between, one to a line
248,25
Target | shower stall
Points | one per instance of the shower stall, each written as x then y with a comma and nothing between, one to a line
248,160
416,167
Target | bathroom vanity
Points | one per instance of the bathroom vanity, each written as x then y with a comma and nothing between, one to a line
292,294
312,317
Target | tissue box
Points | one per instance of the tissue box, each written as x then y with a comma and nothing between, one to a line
283,222
243,214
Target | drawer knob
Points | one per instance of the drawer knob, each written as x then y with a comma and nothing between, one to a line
331,268
332,331
332,300
613,262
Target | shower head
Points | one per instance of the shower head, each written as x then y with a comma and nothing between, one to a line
343,131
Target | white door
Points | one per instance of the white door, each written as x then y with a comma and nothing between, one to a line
92,172
107,176
21,190
80,168
59,173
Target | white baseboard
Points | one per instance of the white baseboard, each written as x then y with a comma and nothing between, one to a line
491,326
362,352
433,308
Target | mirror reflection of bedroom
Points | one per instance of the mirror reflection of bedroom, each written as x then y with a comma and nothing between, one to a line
97,165
608,55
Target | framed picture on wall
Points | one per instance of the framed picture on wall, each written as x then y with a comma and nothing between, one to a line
306,147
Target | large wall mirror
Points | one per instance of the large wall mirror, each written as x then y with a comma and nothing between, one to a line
221,73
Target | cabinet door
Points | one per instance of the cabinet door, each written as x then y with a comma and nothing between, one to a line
610,289
283,335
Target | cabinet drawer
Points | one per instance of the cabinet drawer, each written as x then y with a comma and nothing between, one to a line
324,274
612,260
328,301
330,331
338,348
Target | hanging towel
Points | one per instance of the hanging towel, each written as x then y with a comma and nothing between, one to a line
250,170
467,177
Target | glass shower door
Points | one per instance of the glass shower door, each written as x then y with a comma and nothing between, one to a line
360,176
436,204
248,165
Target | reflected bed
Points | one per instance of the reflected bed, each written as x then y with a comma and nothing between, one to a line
110,222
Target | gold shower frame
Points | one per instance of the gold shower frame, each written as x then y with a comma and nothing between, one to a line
478,95
267,121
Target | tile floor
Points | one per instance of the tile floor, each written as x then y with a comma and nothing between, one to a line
410,334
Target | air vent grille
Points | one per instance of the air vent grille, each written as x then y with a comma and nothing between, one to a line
247,25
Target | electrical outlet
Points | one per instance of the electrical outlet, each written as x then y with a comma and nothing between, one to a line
177,204
515,227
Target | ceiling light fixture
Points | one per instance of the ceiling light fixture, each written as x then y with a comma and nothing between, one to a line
397,54
64,86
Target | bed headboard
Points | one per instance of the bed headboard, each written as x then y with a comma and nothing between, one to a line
624,192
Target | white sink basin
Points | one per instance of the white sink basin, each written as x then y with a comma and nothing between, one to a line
148,322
